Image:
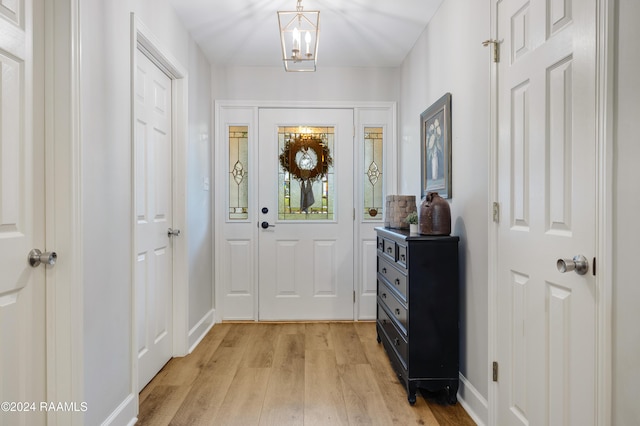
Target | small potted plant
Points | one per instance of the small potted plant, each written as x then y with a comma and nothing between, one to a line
412,220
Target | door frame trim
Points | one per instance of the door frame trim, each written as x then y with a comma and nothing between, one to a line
605,61
63,216
142,38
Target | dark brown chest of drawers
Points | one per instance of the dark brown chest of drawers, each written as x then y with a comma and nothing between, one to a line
417,319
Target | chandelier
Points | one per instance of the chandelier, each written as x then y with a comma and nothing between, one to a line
299,33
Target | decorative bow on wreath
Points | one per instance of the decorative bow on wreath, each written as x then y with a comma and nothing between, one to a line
307,159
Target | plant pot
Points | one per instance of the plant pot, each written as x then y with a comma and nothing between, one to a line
413,229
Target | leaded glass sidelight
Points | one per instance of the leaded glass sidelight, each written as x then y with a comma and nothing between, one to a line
238,173
306,178
373,148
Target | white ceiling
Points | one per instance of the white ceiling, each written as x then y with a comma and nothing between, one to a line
353,33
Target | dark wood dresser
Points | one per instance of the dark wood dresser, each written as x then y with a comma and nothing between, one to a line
417,319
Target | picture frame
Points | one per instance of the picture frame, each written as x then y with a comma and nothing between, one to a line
435,148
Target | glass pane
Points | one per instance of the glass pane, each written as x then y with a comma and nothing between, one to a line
238,181
372,173
306,177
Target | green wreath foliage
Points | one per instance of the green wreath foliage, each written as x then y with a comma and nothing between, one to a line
293,146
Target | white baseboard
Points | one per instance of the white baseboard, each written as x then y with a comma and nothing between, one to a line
125,414
473,402
197,333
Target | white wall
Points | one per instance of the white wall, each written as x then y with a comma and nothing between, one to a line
327,84
106,189
449,57
200,222
626,285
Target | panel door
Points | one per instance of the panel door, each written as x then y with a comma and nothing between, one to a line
153,203
546,186
306,207
22,215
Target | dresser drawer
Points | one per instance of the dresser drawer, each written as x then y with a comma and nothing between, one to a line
394,306
401,260
393,336
393,276
388,248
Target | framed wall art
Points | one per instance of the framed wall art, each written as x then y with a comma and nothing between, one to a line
435,148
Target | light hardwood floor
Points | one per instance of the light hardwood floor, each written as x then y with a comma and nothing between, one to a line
288,374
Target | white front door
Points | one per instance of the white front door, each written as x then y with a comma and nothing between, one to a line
546,323
153,207
22,203
305,203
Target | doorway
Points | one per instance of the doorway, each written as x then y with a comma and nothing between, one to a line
159,134
249,145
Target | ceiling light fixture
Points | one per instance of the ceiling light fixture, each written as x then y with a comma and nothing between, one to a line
299,33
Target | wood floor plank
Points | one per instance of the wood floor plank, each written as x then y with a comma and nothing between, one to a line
347,344
323,399
263,343
317,336
208,391
363,398
243,403
284,399
161,404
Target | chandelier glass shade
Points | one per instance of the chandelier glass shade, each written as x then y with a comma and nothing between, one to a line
299,34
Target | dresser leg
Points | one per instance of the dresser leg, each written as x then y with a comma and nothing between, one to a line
411,391
378,338
452,393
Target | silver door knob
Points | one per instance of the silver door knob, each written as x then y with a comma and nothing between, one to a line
173,232
579,263
36,257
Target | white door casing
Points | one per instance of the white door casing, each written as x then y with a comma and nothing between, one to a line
546,181
22,217
306,268
153,207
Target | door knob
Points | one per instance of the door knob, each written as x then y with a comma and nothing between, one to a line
173,232
36,257
266,225
579,263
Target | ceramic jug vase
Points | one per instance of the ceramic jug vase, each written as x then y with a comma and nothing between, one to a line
435,215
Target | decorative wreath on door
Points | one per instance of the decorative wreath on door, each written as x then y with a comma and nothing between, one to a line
306,157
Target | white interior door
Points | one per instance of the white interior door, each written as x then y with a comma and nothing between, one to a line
153,207
22,288
306,250
546,185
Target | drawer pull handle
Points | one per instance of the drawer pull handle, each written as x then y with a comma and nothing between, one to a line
384,321
384,270
397,311
397,281
389,249
402,257
396,341
384,295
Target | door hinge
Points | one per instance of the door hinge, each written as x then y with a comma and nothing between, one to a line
495,371
496,212
354,297
496,48
354,213
593,267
